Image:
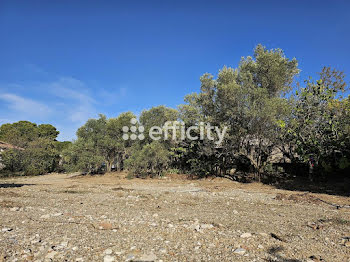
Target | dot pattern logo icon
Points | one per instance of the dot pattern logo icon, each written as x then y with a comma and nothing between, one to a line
136,132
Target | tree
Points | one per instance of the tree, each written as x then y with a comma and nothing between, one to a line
319,124
47,131
19,134
37,153
12,159
100,143
40,157
248,100
156,116
151,160
23,132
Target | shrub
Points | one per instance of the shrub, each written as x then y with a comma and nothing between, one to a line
151,160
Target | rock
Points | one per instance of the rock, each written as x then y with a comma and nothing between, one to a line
64,244
239,251
206,226
260,246
57,214
108,251
105,226
108,258
14,209
130,257
345,241
45,216
51,255
6,229
197,227
148,258
246,235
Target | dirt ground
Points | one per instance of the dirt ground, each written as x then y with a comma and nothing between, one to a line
67,217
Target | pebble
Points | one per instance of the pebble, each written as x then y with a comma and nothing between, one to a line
51,255
239,251
108,251
147,258
108,258
246,235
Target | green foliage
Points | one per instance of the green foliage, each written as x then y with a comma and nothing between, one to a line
318,126
248,101
40,157
37,153
251,100
151,160
99,145
12,159
23,132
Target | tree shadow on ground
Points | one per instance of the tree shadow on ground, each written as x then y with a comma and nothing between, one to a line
12,185
339,187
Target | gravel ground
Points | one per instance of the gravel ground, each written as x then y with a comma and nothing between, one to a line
60,217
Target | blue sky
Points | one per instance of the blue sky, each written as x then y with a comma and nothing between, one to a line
62,62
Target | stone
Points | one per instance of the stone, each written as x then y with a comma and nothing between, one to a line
206,226
105,226
51,254
239,251
108,251
6,229
14,209
246,235
197,227
45,216
108,258
148,258
64,244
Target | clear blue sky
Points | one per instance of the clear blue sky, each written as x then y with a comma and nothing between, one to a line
62,62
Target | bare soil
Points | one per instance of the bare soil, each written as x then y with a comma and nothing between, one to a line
67,217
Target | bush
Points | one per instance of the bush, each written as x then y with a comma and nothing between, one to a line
40,157
12,160
151,160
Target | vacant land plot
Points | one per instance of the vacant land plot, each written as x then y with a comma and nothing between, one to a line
62,217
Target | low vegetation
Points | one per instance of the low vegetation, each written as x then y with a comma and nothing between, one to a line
259,102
